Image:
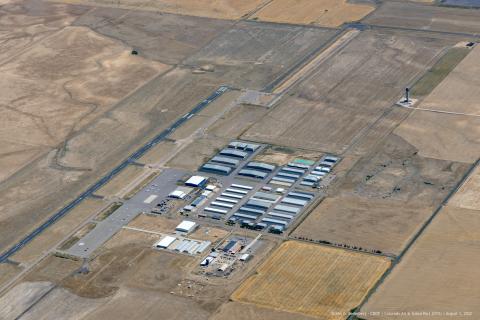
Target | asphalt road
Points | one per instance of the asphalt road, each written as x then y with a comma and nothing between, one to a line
132,158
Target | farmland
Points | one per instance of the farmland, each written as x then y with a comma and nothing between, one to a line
312,280
328,13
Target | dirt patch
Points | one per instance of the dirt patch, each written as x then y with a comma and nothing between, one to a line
328,13
312,280
283,155
436,274
222,9
154,223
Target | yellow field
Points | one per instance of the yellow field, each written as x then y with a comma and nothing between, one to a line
329,13
312,280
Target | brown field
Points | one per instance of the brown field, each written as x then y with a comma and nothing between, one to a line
328,13
221,9
312,280
322,113
58,232
371,224
467,196
120,181
438,273
459,139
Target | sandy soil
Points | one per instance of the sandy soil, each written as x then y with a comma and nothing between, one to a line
437,273
328,13
312,280
222,9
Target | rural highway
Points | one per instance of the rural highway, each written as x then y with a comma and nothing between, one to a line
132,158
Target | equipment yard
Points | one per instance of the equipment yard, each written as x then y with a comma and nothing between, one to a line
239,159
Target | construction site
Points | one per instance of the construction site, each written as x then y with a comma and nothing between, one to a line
257,159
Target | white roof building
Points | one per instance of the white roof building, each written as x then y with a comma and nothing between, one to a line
165,242
196,181
186,226
177,194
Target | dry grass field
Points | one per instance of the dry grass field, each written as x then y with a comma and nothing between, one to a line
328,13
370,224
220,9
334,106
120,181
425,17
459,139
312,280
468,196
438,273
167,38
59,231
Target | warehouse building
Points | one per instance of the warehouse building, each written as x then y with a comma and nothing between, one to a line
253,173
216,169
196,181
225,160
234,153
260,166
186,226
